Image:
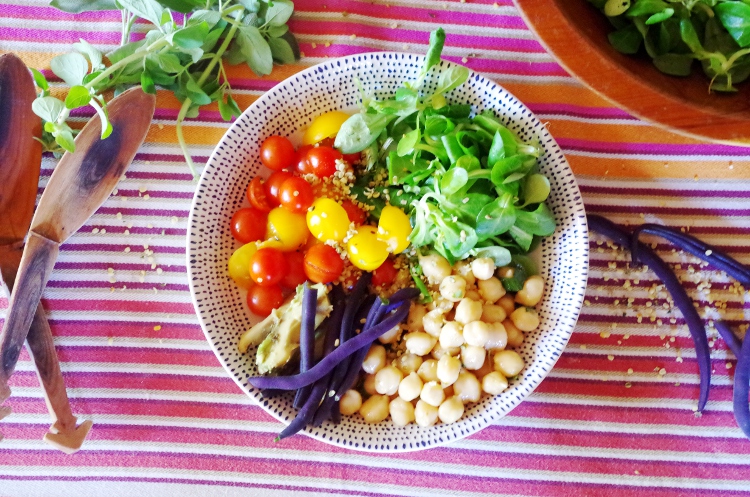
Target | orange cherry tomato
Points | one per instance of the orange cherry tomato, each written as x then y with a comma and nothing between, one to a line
385,274
263,299
249,225
256,195
295,276
296,194
273,185
323,264
268,266
277,153
355,214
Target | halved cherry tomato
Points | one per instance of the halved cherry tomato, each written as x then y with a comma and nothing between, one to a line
321,161
277,153
296,194
385,274
273,185
249,225
264,299
268,266
256,195
296,274
356,215
323,264
300,159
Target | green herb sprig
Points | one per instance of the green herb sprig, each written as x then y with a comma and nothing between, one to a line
187,58
676,33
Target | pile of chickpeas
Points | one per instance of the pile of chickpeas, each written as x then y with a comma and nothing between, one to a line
452,350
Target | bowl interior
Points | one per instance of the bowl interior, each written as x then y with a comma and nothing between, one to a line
290,107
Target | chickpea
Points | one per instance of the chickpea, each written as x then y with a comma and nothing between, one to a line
402,412
420,343
428,370
532,291
515,336
408,363
491,289
506,272
391,335
498,337
468,310
508,362
451,335
476,333
433,322
508,303
410,387
350,402
451,410
438,351
425,414
467,387
374,360
387,380
463,269
453,288
483,268
375,409
494,383
369,384
416,313
440,303
435,268
524,318
432,393
493,313
448,369
473,357
473,295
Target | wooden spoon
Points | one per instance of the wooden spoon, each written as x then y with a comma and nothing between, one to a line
81,182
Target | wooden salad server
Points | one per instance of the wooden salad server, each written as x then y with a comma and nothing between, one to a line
80,184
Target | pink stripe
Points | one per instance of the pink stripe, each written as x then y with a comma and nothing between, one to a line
663,192
117,329
59,37
151,381
670,211
579,111
119,306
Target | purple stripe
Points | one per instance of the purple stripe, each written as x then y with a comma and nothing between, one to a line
669,211
142,212
664,192
155,194
59,37
105,284
38,13
105,247
580,111
103,266
654,148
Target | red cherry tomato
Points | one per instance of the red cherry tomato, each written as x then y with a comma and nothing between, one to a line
352,158
249,225
273,185
300,159
268,266
296,194
296,274
323,264
256,195
277,153
385,274
321,161
263,299
355,214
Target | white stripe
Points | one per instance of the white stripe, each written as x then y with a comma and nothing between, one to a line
648,157
134,368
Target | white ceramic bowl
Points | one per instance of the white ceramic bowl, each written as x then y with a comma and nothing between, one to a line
288,108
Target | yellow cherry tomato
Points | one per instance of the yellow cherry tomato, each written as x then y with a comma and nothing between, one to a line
327,220
239,265
394,229
365,250
324,126
287,228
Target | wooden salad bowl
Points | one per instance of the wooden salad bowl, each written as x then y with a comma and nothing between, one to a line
575,32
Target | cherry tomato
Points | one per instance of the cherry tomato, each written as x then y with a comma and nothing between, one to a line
249,225
239,265
323,264
352,158
296,274
321,161
296,194
355,214
385,274
324,126
277,153
394,229
273,185
264,299
365,250
268,266
256,195
300,159
288,229
327,220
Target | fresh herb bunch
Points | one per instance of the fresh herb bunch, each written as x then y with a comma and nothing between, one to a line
187,58
675,33
470,185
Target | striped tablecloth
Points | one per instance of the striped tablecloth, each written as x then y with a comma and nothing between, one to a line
615,416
